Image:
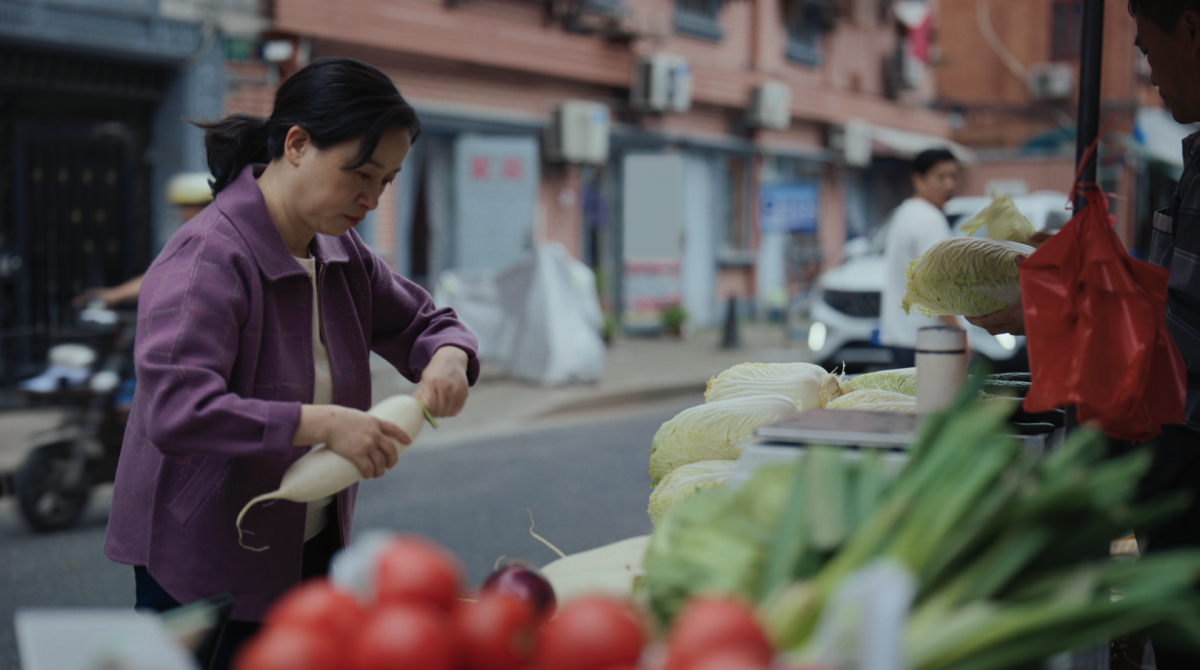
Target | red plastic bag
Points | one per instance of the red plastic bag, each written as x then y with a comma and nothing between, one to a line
1095,327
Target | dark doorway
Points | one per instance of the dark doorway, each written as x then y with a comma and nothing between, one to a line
74,194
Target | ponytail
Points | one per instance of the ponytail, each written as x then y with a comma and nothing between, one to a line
233,143
333,99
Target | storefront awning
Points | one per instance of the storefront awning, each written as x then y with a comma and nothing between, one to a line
864,140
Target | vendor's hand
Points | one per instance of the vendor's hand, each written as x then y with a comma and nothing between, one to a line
363,439
1011,319
1037,238
444,386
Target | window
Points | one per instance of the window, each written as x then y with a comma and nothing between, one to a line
698,18
803,21
1067,30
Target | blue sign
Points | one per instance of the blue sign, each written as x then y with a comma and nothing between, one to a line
788,208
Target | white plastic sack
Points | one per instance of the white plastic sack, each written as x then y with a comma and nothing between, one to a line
550,330
475,298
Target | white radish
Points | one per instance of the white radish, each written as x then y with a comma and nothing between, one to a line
321,473
611,569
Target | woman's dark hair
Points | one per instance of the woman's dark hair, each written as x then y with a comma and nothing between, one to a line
333,99
925,160
1162,13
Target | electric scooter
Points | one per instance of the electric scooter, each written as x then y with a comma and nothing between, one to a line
93,381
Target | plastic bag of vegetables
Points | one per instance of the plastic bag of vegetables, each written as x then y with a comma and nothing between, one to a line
687,481
1003,220
900,380
964,276
875,400
807,384
713,431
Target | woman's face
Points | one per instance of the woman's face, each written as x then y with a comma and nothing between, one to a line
329,198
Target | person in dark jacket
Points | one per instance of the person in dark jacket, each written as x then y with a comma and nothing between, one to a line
1168,34
255,327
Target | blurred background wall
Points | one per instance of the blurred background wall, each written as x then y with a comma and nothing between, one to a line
689,151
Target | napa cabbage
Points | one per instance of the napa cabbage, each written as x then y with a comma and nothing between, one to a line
875,400
687,481
715,542
966,276
713,431
900,380
808,385
1003,220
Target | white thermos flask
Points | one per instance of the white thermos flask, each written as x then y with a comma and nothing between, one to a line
942,361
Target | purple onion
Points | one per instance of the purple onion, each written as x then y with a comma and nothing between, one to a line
518,578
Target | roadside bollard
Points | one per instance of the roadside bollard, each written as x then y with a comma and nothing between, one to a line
729,337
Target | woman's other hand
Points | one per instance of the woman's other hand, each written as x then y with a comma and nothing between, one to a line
444,386
363,439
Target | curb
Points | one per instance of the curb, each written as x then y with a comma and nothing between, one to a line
629,397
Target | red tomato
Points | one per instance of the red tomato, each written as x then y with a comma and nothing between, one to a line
405,635
738,658
414,568
710,624
591,633
495,633
318,606
288,649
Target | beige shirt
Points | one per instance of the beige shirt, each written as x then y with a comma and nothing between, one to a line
318,510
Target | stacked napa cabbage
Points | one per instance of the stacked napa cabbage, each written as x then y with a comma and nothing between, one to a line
808,385
713,431
965,276
875,400
737,402
900,380
687,481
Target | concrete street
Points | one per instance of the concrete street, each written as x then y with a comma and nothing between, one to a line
576,457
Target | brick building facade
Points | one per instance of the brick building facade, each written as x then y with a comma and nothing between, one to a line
1008,73
487,75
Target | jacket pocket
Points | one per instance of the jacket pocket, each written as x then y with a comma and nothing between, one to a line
202,484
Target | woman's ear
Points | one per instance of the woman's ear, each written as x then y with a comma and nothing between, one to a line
296,144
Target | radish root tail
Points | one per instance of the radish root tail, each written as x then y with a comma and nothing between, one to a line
252,503
541,539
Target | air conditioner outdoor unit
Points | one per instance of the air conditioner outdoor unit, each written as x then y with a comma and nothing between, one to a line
850,144
1051,81
770,106
662,83
577,133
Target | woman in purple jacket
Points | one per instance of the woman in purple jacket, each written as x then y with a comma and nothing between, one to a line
255,327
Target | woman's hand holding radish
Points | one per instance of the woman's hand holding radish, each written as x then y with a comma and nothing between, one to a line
361,438
444,386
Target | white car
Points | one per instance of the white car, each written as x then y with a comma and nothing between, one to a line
843,307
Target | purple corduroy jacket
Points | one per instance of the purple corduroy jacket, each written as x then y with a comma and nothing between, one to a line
224,361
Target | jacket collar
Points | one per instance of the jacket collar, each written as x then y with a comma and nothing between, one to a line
243,204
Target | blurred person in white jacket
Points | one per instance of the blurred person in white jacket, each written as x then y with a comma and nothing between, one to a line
917,224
